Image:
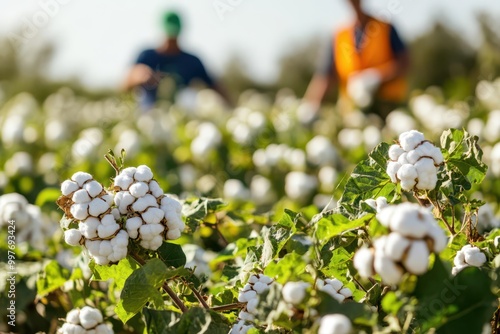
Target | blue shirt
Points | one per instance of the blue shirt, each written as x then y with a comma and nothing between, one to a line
182,67
327,64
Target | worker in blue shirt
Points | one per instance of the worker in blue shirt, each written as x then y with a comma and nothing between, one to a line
167,61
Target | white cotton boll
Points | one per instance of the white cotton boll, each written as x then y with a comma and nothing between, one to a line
381,203
72,329
395,152
101,260
299,186
79,211
123,181
252,305
138,189
408,175
410,139
141,204
153,243
417,258
437,156
474,256
173,234
363,262
392,170
390,272
403,158
294,292
103,329
155,189
236,190
132,225
346,292
260,287
20,163
439,239
243,315
259,158
409,219
108,198
149,231
398,121
93,247
371,203
153,215
320,151
475,127
338,297
105,248
459,259
68,187
72,237
81,196
327,176
171,204
246,296
106,231
93,188
80,178
427,173
413,156
120,240
97,207
90,317
143,173
88,228
129,171
395,246
126,200
73,317
335,324
261,190
492,128
296,159
371,136
337,285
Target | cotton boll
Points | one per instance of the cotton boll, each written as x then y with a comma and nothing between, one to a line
395,246
173,234
398,122
139,189
335,324
409,140
143,174
408,175
20,163
392,170
155,189
90,317
363,262
88,228
259,158
106,231
417,259
246,296
296,159
299,186
73,317
459,259
79,211
97,207
371,136
68,187
252,305
261,190
153,215
395,152
81,196
123,181
350,138
103,329
93,188
335,283
294,292
327,176
427,174
12,130
475,127
260,287
438,237
474,257
390,272
105,248
80,178
141,204
320,151
130,141
492,128
72,237
346,292
410,220
132,226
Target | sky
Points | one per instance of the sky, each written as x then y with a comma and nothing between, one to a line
97,41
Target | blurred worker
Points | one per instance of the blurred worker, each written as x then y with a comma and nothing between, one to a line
168,61
368,62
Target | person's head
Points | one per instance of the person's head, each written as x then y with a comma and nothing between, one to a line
172,24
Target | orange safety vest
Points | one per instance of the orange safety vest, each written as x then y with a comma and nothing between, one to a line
375,52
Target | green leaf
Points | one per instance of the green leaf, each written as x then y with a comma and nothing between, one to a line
160,322
142,287
197,210
52,278
290,267
391,303
48,196
333,225
460,304
277,236
368,180
199,320
172,254
119,273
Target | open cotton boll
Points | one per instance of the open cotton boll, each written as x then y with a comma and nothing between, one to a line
261,190
410,139
410,220
81,196
103,329
153,215
106,231
438,237
90,317
395,151
392,170
80,178
80,211
320,151
73,317
93,188
350,138
235,189
335,324
389,271
417,258
132,225
143,173
138,189
260,287
363,262
474,256
155,189
88,228
98,206
72,329
142,203
294,292
252,305
299,186
72,237
408,175
246,296
123,181
105,248
68,187
395,246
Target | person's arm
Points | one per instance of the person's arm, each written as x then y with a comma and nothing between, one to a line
141,72
322,79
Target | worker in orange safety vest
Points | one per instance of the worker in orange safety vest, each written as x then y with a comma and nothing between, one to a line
368,61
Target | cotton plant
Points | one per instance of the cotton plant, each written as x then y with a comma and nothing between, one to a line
466,257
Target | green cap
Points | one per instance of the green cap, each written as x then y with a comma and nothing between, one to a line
172,24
